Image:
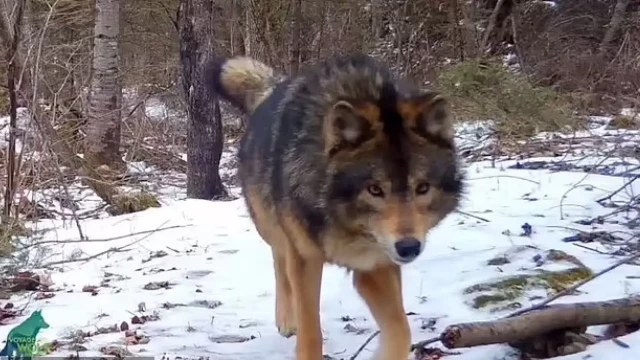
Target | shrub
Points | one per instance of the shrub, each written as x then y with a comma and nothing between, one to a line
481,90
625,122
9,231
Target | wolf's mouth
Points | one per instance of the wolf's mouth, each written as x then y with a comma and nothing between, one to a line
402,261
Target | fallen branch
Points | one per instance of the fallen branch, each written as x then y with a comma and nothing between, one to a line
608,197
87,240
364,345
110,250
472,216
468,334
539,322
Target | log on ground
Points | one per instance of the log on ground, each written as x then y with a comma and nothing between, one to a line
541,321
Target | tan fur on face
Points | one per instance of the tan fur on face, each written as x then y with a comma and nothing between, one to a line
403,217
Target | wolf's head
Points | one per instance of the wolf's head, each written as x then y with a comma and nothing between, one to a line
393,171
37,321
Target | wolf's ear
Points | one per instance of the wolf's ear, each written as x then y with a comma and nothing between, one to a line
348,125
428,116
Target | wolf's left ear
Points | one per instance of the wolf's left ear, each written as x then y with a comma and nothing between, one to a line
428,116
348,125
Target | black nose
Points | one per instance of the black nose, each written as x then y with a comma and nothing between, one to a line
408,248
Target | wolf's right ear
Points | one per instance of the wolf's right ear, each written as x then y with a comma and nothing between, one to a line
428,116
348,125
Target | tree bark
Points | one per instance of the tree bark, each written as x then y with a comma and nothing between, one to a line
102,143
204,129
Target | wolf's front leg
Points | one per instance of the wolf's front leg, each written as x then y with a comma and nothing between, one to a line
381,289
285,314
305,277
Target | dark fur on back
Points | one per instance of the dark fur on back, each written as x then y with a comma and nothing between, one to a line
282,151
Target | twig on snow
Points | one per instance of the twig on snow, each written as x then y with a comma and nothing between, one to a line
86,240
608,197
505,176
424,343
590,248
577,185
364,345
110,250
472,216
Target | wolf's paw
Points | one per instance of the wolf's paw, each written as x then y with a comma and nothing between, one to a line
287,331
286,323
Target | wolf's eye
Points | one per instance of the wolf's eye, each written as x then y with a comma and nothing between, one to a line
422,188
375,190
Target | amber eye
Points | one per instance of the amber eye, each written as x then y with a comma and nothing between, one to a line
375,190
422,188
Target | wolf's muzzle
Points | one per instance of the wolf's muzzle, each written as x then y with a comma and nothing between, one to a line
408,248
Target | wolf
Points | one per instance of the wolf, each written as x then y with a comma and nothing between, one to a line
342,163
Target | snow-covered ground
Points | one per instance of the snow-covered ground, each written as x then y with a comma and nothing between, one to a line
201,280
217,282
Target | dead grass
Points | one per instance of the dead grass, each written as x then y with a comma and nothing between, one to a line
483,90
625,122
8,232
130,203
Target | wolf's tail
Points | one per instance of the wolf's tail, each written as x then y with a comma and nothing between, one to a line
5,350
243,81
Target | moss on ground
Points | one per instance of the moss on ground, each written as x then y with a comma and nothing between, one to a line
504,293
130,203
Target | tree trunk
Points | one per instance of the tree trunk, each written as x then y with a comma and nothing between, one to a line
204,129
248,31
294,56
12,75
377,24
102,143
490,26
614,25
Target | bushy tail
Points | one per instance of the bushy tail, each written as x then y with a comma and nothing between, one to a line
243,81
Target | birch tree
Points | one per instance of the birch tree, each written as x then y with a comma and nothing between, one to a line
102,142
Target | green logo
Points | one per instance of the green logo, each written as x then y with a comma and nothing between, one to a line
22,342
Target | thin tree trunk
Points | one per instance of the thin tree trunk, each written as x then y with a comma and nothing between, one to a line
457,38
248,30
490,26
376,19
204,131
102,143
614,25
294,60
12,76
